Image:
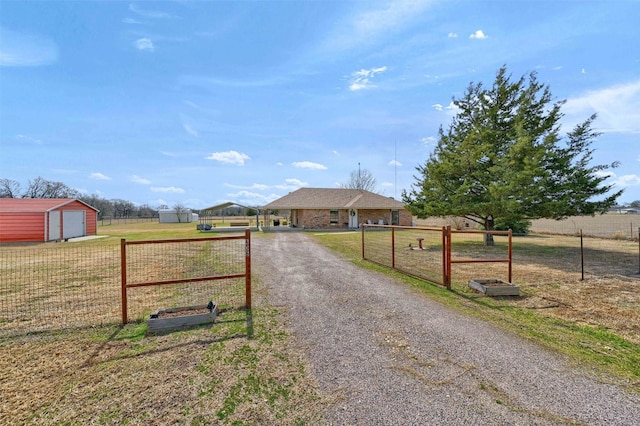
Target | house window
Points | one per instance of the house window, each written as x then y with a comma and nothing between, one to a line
395,217
333,217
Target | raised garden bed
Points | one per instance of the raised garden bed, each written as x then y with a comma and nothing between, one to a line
171,319
494,287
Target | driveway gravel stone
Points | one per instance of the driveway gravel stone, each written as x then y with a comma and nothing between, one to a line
387,355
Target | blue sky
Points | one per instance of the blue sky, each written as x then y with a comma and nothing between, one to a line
201,102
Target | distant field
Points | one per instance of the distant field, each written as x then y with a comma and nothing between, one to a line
612,225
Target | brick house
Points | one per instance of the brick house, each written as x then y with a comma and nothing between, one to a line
331,208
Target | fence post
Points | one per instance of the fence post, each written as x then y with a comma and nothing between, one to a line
123,278
581,255
362,233
393,248
510,254
446,249
247,263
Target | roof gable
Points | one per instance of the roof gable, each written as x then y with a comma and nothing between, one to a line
33,205
334,198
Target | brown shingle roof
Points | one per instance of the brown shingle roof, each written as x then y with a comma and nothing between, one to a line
333,198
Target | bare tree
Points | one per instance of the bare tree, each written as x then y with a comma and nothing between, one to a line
9,188
361,179
122,208
180,211
42,188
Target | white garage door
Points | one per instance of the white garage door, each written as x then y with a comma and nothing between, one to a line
73,224
54,225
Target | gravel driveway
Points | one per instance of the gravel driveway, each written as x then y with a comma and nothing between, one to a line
387,355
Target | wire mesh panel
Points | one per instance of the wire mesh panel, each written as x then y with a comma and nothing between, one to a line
430,253
613,226
58,285
182,273
419,252
414,251
377,243
51,286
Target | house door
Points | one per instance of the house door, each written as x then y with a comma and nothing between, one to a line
73,224
54,225
353,218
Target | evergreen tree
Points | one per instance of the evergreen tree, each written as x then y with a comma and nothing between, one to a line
503,157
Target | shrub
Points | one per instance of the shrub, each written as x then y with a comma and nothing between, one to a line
516,226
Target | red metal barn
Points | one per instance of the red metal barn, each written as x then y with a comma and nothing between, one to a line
45,219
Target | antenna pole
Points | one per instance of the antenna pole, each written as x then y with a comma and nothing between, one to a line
395,169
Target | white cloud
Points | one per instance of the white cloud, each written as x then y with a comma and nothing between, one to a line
149,13
252,198
99,176
258,186
627,180
171,189
452,35
26,49
190,130
229,157
144,44
366,26
30,139
479,34
429,140
362,79
291,184
308,165
618,108
395,163
450,109
140,180
132,21
295,182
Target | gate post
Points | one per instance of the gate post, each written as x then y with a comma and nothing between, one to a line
510,254
123,278
247,263
448,262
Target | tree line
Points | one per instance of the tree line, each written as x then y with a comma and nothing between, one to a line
43,188
114,208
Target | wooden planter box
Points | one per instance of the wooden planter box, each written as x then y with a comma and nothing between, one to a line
175,318
494,287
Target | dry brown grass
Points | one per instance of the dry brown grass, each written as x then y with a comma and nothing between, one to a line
548,270
242,370
231,372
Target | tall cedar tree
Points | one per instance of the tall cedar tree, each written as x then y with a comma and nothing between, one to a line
503,158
